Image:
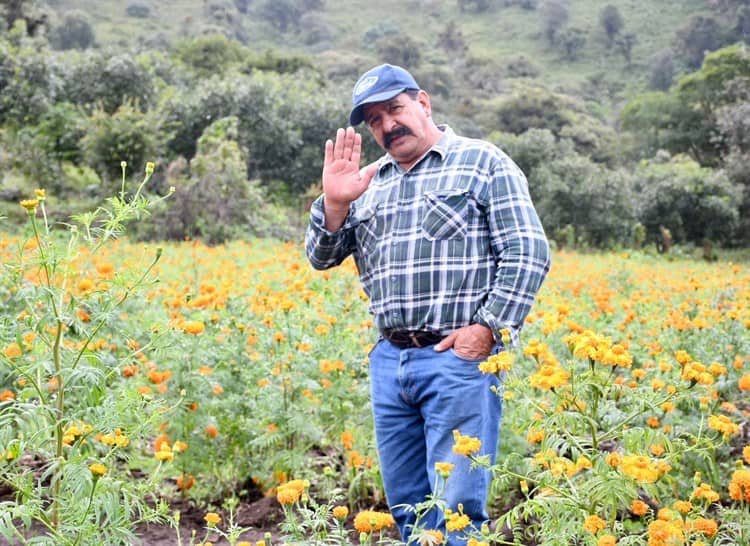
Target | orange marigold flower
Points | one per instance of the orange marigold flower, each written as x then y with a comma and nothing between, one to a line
347,440
683,507
739,486
723,424
211,431
291,491
705,491
593,524
705,526
638,507
465,445
607,540
12,350
340,512
7,395
193,327
212,518
430,537
746,453
369,521
640,468
185,482
744,382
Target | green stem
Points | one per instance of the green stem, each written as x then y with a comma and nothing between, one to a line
86,512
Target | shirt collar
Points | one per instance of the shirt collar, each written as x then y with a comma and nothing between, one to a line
441,147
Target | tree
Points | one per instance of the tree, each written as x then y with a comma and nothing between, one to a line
612,22
402,50
625,44
282,14
452,40
554,14
28,11
572,41
699,35
74,32
208,55
662,71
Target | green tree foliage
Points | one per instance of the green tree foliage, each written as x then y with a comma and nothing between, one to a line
27,84
554,14
625,44
612,23
662,71
208,55
400,49
572,40
93,79
282,14
697,36
29,12
125,135
73,32
694,203
452,40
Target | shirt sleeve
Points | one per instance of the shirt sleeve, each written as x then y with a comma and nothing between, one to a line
520,247
324,248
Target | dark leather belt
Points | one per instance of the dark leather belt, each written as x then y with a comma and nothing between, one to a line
407,339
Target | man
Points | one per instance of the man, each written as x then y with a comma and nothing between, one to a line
450,251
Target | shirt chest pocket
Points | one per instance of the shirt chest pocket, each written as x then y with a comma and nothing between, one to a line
367,228
446,215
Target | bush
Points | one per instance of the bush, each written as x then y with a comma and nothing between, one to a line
138,10
73,32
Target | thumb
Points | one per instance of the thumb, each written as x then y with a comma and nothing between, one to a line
446,343
366,173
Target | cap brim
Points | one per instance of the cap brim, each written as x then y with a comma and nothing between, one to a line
358,115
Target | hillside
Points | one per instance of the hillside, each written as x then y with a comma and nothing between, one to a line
507,38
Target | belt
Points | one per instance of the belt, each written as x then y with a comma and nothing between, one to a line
407,339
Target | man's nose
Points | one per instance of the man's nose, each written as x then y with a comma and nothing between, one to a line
389,123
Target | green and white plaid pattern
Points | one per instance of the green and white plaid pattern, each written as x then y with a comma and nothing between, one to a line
454,241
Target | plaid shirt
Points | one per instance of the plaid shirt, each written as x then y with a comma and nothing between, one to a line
454,241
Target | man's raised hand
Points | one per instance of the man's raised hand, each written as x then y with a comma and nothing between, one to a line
343,181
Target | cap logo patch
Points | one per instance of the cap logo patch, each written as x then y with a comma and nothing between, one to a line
365,84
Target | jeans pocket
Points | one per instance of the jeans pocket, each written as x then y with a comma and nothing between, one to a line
467,358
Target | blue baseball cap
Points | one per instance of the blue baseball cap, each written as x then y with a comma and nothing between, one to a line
377,85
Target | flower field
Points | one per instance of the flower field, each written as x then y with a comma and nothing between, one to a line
133,375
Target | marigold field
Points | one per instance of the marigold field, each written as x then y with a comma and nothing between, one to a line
133,375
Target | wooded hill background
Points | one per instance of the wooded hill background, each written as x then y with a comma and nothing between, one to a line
630,118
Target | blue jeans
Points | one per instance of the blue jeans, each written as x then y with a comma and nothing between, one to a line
419,397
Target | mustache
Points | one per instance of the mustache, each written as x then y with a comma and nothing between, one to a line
388,138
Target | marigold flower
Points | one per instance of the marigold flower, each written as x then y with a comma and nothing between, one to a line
745,451
465,445
638,507
607,540
456,521
12,350
340,512
30,204
665,533
723,424
640,468
705,491
739,486
475,542
705,526
211,431
369,521
497,363
185,482
683,507
444,469
593,524
290,492
98,469
7,395
193,327
212,518
744,382
430,537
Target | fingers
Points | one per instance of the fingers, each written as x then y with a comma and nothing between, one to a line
328,152
348,144
447,342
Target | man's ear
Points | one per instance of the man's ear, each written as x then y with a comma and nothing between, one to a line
424,101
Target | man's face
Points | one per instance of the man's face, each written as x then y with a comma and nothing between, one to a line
401,126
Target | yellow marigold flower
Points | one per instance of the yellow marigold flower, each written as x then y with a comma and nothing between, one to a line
12,350
369,521
664,533
40,194
746,453
444,469
212,518
340,512
739,486
705,526
638,507
723,424
535,435
656,449
640,468
500,362
607,540
291,492
683,507
164,455
456,521
549,377
705,491
465,445
98,469
430,537
30,204
193,327
475,542
593,524
613,459
150,168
